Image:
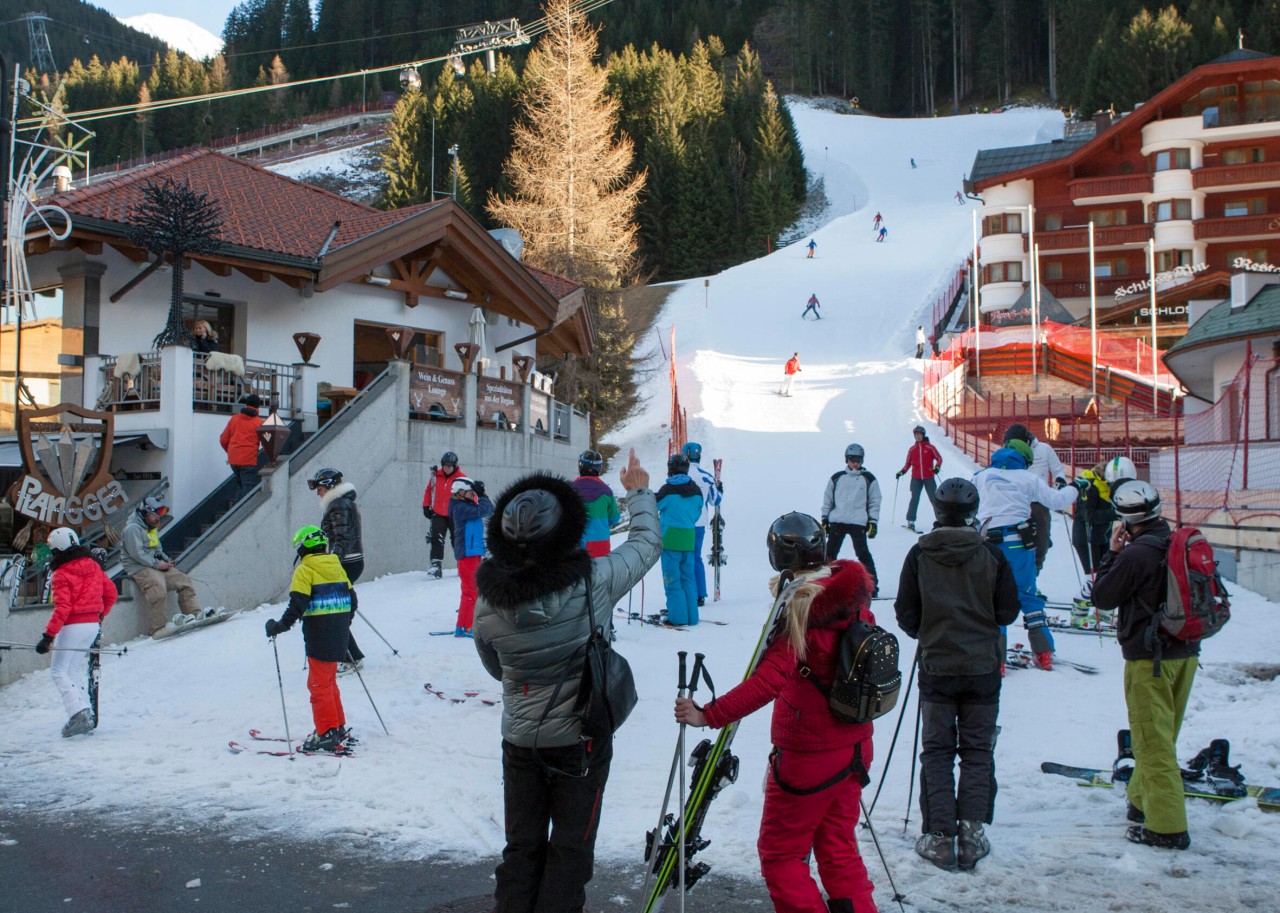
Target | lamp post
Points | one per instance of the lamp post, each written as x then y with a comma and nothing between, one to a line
1035,291
453,154
977,305
1151,279
1093,316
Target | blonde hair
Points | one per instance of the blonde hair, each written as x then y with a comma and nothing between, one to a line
208,329
796,612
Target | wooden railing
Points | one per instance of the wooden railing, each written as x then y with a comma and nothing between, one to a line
1113,186
1079,288
1113,236
1237,226
1235,175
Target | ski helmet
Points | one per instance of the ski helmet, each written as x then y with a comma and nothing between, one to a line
449,459
854,452
1018,433
152,506
325,478
531,515
462,483
796,543
693,452
1136,501
919,429
63,538
1023,449
310,538
1119,469
677,464
590,462
956,502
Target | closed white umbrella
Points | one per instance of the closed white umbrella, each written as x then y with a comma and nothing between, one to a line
477,322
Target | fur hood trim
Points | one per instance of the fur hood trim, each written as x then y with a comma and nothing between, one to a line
835,593
346,488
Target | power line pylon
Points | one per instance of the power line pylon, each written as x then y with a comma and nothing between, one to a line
41,53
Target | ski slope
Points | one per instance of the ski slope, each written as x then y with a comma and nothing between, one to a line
433,786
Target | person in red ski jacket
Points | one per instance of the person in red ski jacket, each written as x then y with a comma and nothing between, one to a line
818,764
435,507
82,596
240,440
789,372
925,463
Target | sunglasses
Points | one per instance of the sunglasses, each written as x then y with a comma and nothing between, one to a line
313,484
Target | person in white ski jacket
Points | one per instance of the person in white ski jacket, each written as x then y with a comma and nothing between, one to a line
921,342
1006,491
712,492
1046,465
851,506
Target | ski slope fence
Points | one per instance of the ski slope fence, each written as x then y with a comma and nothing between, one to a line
941,306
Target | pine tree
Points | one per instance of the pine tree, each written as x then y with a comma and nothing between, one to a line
407,169
571,198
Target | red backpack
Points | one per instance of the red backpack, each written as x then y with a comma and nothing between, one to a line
1196,603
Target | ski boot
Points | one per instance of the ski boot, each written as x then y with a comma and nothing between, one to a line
1133,813
1106,619
938,848
331,741
1082,614
1212,765
436,570
1044,660
1139,834
1122,769
79,724
910,524
972,845
460,631
348,739
348,668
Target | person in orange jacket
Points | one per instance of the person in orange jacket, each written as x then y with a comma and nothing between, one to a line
240,440
924,461
82,597
790,371
435,507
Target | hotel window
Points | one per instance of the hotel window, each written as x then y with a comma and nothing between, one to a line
1009,223
1257,255
1252,207
1053,221
1052,270
1105,218
1004,272
1167,210
1261,101
1170,259
1105,268
1172,158
1248,156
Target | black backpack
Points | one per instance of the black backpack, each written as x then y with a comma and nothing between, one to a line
867,678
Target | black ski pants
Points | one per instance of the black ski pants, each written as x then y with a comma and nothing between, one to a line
551,819
958,717
858,536
1091,542
354,569
1043,519
439,525
930,487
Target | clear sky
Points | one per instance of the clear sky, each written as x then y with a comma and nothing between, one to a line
209,14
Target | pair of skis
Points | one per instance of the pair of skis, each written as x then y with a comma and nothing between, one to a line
1020,657
257,736
717,535
678,839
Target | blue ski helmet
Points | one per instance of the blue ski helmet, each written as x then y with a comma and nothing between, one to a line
590,462
693,452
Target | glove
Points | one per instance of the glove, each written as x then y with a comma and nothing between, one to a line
825,527
937,469
1059,483
872,529
426,511
274,627
45,643
1082,484
900,473
478,488
720,487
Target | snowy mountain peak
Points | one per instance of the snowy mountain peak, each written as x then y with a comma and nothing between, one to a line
180,34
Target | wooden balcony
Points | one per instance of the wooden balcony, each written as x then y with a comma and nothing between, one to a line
1127,185
1079,288
1078,238
1255,175
1237,227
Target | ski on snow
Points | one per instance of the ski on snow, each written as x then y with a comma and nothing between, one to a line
1268,796
462,697
717,535
714,768
237,748
657,621
1019,657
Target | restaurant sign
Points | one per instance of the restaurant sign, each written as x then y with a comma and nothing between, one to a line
66,455
435,392
498,402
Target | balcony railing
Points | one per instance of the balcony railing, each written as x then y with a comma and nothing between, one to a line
1236,175
216,390
1115,186
1237,227
131,390
1078,238
1079,288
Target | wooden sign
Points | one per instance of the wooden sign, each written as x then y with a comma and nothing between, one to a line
540,411
306,343
435,391
401,339
498,402
66,454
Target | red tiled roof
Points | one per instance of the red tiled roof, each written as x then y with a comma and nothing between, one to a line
261,210
361,226
558,286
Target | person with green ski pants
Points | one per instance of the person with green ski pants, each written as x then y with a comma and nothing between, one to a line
1132,579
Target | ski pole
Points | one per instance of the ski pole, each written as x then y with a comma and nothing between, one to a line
866,819
680,751
894,741
1075,559
394,651
283,709
676,761
915,745
893,517
356,670
5,645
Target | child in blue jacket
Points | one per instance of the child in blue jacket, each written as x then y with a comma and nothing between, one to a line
679,508
468,506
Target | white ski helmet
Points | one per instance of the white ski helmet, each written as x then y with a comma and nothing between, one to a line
460,485
1120,467
63,538
1136,501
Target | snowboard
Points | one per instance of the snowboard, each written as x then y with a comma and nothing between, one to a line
1268,796
170,630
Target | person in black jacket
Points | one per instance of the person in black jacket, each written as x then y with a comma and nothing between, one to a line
955,592
341,525
1132,578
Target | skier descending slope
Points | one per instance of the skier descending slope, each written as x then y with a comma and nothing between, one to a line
1005,492
819,764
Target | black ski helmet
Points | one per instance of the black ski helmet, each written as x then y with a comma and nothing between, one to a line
530,515
590,462
449,459
1018,432
693,451
956,502
854,452
796,543
329,478
677,464
919,429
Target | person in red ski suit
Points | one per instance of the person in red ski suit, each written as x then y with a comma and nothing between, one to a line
435,507
811,747
925,462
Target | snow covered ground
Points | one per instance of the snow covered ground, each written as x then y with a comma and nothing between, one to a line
433,786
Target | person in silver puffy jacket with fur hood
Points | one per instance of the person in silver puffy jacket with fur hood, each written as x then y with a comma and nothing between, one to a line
530,627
